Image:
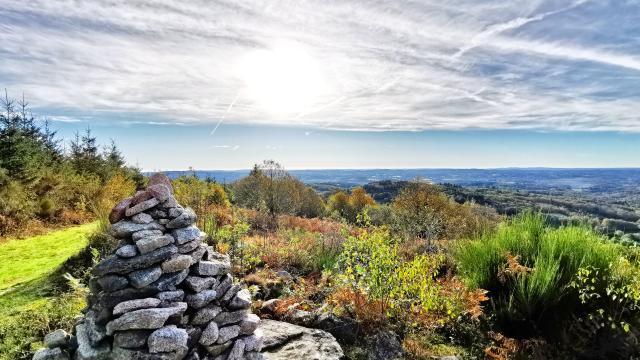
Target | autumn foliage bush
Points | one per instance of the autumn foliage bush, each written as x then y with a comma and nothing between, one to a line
410,293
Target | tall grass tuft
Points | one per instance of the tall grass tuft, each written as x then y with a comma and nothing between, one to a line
528,268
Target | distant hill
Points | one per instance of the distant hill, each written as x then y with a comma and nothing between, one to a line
594,181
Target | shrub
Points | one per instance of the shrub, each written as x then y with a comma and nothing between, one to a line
200,195
608,328
22,330
349,206
528,269
423,211
296,250
230,240
409,292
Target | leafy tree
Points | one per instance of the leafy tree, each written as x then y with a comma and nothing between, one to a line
350,206
311,203
422,210
339,203
270,188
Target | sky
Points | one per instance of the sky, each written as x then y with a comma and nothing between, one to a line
334,84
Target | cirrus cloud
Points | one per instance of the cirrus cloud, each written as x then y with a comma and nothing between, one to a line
389,65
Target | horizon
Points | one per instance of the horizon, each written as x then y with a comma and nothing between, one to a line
416,168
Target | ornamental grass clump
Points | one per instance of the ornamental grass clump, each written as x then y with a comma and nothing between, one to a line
528,270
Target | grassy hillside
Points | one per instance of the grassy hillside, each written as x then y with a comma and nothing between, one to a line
29,259
27,308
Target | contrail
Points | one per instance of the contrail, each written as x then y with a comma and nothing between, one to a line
225,114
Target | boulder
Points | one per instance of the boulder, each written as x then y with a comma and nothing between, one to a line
231,317
386,346
142,206
209,335
168,282
242,300
346,330
168,339
85,350
186,234
160,178
111,283
190,246
51,354
211,268
206,314
143,319
124,228
269,306
116,265
177,263
107,300
139,354
118,211
139,197
284,341
159,191
136,304
237,351
148,244
249,324
127,251
144,234
185,218
198,284
142,218
56,338
131,339
171,296
227,333
142,278
201,299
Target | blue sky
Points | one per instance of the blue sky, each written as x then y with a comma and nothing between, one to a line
334,84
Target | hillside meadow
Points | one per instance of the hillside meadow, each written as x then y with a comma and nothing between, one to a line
437,277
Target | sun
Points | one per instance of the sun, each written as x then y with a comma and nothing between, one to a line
283,80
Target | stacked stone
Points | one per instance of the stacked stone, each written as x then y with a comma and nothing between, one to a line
163,294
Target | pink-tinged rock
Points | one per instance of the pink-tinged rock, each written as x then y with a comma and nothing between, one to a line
159,191
159,178
249,324
119,211
139,197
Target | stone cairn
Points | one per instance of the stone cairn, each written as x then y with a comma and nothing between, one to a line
163,294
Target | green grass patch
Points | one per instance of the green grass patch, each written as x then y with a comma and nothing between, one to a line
24,260
31,300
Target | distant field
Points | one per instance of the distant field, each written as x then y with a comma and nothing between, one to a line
24,260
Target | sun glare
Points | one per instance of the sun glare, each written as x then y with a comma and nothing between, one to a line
283,80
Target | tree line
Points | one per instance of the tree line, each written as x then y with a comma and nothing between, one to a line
43,182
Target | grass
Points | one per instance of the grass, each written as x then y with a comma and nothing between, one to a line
527,269
25,260
30,303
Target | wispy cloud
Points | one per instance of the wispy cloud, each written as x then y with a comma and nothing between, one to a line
386,65
64,119
230,147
